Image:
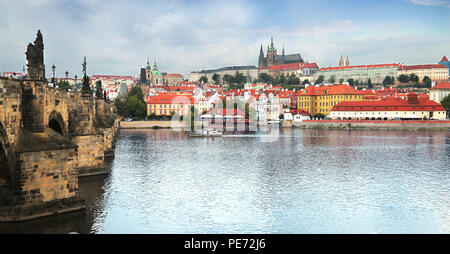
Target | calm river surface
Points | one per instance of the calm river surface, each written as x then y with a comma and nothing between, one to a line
298,181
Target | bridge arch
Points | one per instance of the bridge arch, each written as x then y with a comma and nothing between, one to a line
7,162
56,122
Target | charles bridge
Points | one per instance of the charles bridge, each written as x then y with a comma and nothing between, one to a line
49,137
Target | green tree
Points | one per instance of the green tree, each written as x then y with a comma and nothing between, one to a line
293,80
427,82
445,102
136,91
136,108
203,79
228,78
239,78
320,79
318,115
388,81
351,81
264,77
306,81
403,78
413,77
281,116
216,77
369,84
332,79
122,109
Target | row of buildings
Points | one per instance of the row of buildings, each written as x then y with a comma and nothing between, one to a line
293,64
333,101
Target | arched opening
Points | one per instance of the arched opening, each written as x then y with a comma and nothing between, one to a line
56,122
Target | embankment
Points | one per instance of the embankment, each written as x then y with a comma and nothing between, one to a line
150,125
386,125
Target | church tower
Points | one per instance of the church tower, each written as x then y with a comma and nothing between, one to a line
271,54
148,71
347,62
341,61
261,60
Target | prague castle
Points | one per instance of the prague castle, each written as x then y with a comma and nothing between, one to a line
272,58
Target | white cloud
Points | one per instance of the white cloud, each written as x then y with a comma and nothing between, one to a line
441,3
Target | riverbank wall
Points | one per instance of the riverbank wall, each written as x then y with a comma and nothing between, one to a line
150,125
384,125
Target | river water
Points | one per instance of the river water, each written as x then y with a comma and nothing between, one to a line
294,181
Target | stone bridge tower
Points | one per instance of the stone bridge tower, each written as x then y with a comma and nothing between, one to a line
47,137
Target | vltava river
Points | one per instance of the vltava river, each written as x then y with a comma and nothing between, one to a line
298,181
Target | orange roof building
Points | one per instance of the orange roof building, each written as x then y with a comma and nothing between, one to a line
168,104
439,91
414,107
321,99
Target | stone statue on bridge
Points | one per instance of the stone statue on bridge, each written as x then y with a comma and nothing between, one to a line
86,90
35,58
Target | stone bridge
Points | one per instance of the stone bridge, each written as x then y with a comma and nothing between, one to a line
48,138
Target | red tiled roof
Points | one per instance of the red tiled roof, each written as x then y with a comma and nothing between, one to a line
174,75
390,104
444,59
422,66
359,66
293,66
442,85
111,77
166,98
330,90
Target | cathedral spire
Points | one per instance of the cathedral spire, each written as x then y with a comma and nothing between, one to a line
347,62
341,61
272,48
261,62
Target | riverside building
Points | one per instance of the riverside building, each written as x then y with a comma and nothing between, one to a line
166,104
439,91
321,99
392,108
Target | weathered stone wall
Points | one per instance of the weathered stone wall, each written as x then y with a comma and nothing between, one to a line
10,105
46,175
90,150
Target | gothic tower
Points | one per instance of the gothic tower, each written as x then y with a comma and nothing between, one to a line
341,62
271,53
347,62
261,60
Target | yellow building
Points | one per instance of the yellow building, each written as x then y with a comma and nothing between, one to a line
167,104
320,100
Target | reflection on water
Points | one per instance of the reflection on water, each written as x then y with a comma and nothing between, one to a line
302,181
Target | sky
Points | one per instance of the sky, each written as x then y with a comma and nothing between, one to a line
117,36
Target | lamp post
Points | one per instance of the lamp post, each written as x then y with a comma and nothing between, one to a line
67,82
53,69
76,81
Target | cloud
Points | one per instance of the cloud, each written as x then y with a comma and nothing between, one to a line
441,3
183,36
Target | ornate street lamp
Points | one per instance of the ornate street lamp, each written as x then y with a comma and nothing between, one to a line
76,81
53,69
67,82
